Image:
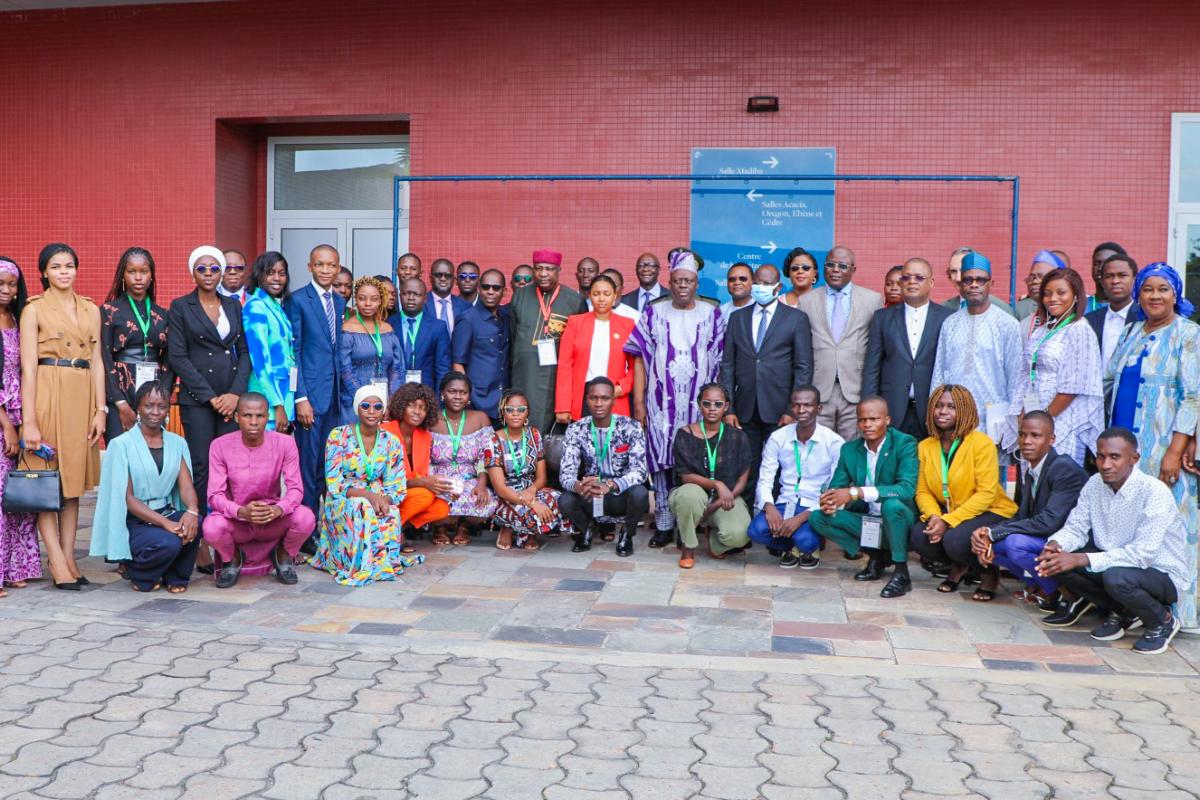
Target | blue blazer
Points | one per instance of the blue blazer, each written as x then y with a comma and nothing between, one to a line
316,355
457,304
432,352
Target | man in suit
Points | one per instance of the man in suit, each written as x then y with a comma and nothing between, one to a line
840,316
901,349
871,493
768,355
424,341
441,303
408,266
479,347
1046,494
316,313
1109,322
649,289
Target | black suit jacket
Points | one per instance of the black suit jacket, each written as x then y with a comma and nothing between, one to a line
889,368
207,364
1046,512
1096,320
631,298
761,383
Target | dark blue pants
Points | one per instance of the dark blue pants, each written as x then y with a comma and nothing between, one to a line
804,539
1018,554
160,556
310,442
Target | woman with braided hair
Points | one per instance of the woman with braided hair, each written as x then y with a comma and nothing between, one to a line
958,488
368,349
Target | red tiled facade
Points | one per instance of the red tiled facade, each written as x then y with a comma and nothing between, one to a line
146,124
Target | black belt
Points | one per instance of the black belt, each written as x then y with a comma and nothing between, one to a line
135,358
73,363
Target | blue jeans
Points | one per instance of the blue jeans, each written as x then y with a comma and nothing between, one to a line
804,539
1018,554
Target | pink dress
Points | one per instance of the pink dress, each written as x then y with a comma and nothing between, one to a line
20,558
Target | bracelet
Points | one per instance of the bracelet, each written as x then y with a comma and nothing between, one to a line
195,514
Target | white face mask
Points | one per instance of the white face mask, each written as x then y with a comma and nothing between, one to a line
763,295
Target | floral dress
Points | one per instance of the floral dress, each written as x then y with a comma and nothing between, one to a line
519,462
357,546
122,345
470,460
20,559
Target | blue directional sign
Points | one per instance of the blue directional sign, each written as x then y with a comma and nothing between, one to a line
754,220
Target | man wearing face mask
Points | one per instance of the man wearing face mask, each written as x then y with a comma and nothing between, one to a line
768,355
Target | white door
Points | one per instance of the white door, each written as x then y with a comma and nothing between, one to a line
296,240
1185,253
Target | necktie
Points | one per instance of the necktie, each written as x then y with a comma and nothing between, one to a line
1027,497
645,299
838,323
441,309
763,319
330,317
410,343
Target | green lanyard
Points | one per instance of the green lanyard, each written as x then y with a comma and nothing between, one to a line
456,437
946,458
1033,360
799,463
366,456
144,324
601,452
517,458
376,338
712,451
410,333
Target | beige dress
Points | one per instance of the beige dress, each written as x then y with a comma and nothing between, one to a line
66,397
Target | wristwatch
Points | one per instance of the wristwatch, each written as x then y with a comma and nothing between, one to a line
612,486
854,492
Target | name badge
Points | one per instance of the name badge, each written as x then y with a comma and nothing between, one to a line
789,509
412,376
144,372
597,507
1031,402
872,532
456,487
547,354
380,390
293,379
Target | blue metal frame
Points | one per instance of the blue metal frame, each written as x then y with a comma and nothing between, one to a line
1013,179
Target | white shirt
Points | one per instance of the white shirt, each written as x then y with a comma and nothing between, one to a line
448,312
762,316
914,322
1138,526
833,296
1114,324
222,322
869,493
818,458
598,353
728,307
646,296
1036,472
625,311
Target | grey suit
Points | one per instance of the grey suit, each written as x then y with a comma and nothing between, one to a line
838,366
890,368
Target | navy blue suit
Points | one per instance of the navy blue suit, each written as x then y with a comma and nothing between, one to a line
317,381
459,306
480,344
431,353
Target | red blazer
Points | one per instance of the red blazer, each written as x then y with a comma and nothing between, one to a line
573,350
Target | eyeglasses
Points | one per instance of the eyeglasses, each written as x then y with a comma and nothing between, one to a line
737,280
442,275
515,409
803,267
976,281
236,268
492,287
207,269
712,404
838,265
371,406
468,276
521,280
913,278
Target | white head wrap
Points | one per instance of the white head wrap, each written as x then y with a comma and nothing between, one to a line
378,390
206,250
685,261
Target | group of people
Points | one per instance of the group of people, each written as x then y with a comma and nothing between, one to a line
793,418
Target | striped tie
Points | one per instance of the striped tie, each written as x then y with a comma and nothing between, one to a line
330,318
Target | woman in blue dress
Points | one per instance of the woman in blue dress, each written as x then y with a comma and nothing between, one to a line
269,339
369,350
1154,375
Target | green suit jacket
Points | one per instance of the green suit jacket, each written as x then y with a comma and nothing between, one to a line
895,470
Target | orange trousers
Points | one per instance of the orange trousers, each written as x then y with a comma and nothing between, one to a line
421,507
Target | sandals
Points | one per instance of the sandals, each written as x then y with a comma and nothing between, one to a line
178,588
462,536
153,588
500,545
531,544
983,595
441,538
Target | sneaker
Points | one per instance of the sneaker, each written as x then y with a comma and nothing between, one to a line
809,560
790,560
1068,613
1047,605
1113,628
1156,640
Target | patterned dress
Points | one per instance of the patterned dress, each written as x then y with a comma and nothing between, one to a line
121,344
466,468
356,546
20,559
1168,402
520,476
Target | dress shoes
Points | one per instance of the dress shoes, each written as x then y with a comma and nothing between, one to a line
625,543
583,542
285,568
230,573
898,586
873,571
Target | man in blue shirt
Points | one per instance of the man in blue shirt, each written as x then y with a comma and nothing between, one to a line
479,347
424,340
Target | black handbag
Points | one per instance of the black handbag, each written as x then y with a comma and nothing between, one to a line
31,491
553,444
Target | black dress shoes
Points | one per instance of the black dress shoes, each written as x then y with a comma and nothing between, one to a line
872,572
285,568
898,586
658,540
583,542
230,572
625,543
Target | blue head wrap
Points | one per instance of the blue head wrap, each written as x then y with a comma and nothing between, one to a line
1161,269
975,260
1046,257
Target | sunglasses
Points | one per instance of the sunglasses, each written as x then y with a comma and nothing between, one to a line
977,281
737,280
515,409
468,276
371,406
712,403
207,269
236,268
837,265
521,280
442,275
913,278
803,267
492,287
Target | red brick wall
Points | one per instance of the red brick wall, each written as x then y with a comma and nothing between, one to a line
111,139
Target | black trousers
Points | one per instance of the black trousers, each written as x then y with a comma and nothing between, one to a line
633,503
914,421
200,426
160,556
1129,591
955,546
757,432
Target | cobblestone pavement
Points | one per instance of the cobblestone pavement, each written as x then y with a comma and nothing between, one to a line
110,710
